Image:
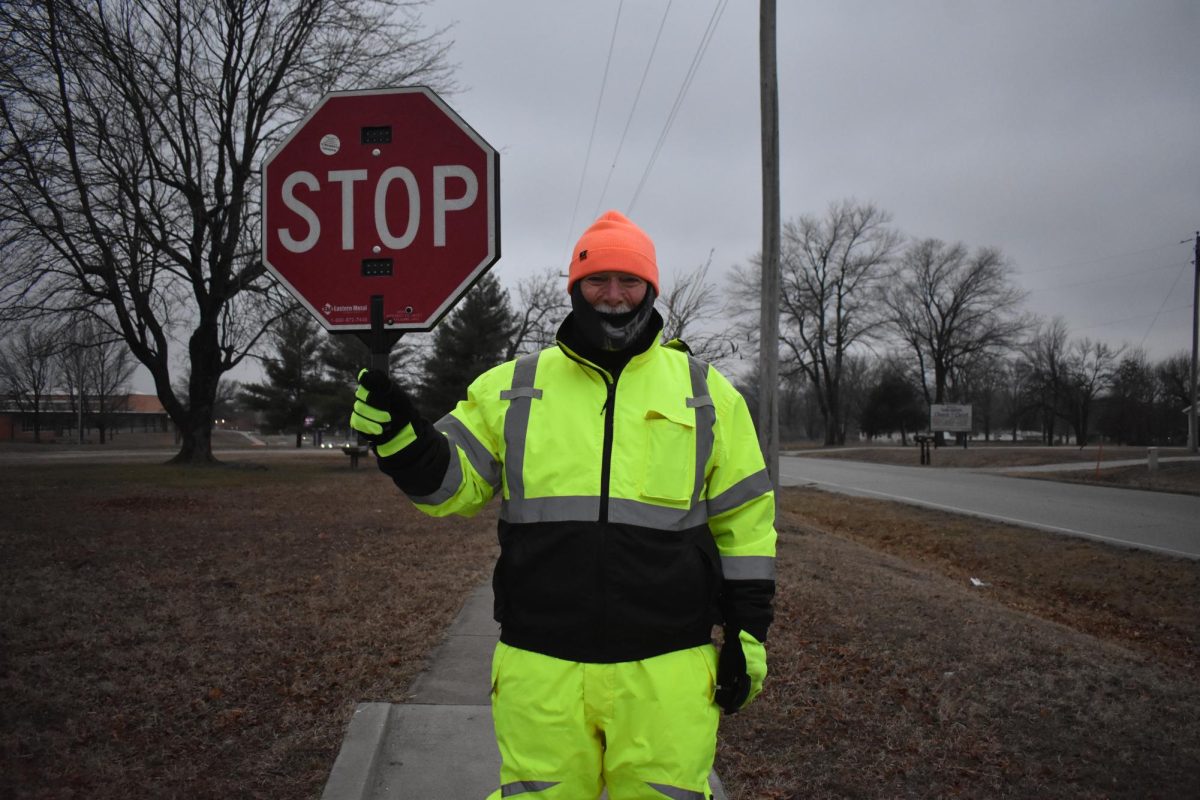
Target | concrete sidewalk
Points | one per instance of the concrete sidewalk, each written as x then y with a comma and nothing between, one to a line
439,744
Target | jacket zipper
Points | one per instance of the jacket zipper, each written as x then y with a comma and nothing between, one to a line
610,404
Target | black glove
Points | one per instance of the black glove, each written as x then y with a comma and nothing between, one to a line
382,412
733,683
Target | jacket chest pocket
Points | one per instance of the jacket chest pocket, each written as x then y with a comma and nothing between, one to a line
669,456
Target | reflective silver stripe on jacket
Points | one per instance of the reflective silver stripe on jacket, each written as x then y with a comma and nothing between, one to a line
676,793
748,568
706,415
479,456
450,484
620,510
548,509
745,490
525,787
633,512
516,422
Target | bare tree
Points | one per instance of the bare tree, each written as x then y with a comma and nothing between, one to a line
1046,356
1065,377
542,302
1016,378
72,358
690,303
112,367
28,370
94,368
1090,369
947,305
131,134
1128,416
1174,376
830,268
980,382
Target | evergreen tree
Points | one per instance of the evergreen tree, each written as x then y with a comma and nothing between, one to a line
894,403
296,386
472,339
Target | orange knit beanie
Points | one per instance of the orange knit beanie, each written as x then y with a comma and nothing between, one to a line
614,244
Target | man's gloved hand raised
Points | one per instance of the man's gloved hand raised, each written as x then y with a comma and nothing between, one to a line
383,413
741,668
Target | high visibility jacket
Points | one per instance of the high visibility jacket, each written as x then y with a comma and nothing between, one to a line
635,513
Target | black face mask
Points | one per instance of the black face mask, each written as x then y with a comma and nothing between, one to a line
611,332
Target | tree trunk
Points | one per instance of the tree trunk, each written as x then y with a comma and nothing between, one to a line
939,397
833,428
197,421
1081,424
195,446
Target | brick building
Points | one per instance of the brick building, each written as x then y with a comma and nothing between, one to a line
58,417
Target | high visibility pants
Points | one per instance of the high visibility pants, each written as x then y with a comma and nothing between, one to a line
643,729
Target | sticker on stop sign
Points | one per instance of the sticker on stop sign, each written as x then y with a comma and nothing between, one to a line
385,193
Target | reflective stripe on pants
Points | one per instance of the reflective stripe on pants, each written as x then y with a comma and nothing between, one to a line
643,729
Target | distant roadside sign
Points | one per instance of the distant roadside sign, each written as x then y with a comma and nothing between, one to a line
950,418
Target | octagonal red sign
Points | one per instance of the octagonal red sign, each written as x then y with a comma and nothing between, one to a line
384,192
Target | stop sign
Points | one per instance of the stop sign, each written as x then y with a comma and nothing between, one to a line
381,193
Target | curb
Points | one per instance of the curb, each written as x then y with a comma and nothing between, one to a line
357,764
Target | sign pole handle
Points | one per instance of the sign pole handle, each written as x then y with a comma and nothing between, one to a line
380,346
379,342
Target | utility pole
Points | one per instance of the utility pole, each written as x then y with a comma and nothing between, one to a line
768,350
1192,431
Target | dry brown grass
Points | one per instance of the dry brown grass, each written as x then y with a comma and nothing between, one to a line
173,634
205,634
1072,674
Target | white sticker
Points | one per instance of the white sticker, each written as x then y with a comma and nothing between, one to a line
330,144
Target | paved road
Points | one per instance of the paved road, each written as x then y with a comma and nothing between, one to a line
1168,523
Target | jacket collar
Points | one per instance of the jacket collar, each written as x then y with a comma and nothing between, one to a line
578,348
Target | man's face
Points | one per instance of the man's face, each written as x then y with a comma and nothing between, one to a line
613,292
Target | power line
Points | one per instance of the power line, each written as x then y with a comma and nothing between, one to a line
1163,305
1102,278
713,21
633,109
1135,318
1084,262
595,120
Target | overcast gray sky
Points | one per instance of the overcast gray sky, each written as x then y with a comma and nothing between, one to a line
1065,132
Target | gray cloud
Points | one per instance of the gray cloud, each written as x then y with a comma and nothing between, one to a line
1064,133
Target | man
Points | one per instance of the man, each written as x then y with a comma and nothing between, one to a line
636,513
